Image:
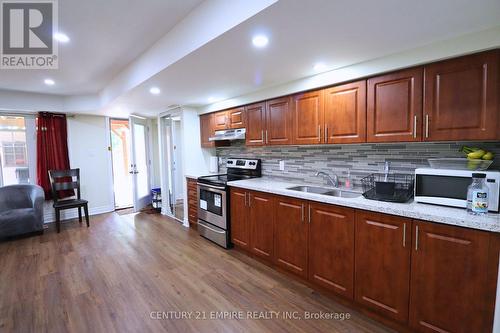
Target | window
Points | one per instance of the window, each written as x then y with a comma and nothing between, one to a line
17,153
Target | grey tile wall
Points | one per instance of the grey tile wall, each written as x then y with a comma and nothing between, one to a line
302,162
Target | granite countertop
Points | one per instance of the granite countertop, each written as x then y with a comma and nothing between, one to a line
426,212
195,176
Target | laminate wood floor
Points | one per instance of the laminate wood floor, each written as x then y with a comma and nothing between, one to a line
124,270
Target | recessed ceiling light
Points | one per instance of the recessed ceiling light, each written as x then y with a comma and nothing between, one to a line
60,37
155,90
319,67
49,82
260,40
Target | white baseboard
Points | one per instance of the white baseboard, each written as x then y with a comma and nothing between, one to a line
49,215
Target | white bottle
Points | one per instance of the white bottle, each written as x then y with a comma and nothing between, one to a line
478,195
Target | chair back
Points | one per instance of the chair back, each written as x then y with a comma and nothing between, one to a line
64,180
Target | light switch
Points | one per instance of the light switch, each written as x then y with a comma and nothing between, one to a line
282,165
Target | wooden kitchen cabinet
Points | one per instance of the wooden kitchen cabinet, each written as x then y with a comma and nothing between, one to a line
449,285
260,206
461,98
221,121
394,107
240,230
192,196
278,128
236,118
291,235
206,130
382,264
345,113
308,117
331,248
255,124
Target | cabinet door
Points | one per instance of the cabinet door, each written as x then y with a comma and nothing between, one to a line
256,122
240,232
308,118
206,130
448,279
278,122
461,98
331,248
192,194
236,118
291,235
345,113
261,224
220,121
394,107
382,264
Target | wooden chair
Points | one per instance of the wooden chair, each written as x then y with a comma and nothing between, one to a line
64,180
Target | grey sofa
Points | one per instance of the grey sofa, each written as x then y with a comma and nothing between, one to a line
21,210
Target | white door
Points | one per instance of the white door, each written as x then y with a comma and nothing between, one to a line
139,162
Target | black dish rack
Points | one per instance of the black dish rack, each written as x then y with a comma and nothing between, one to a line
394,187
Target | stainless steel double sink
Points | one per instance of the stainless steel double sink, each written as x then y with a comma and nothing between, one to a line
325,191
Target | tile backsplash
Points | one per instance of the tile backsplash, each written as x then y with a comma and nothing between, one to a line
302,162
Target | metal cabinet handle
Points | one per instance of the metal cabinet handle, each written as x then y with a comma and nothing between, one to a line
326,133
415,126
309,213
262,136
302,212
416,238
267,141
404,235
426,125
245,199
319,133
249,200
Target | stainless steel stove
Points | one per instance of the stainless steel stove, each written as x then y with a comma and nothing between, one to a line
213,199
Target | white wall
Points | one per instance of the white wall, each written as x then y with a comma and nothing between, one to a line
88,150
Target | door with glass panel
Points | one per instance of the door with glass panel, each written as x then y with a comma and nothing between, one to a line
17,150
139,166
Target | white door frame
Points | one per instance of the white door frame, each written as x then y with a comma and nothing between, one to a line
138,203
174,112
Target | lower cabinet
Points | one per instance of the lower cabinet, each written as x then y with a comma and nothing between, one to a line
240,231
449,279
382,269
192,196
423,276
291,235
260,206
331,248
252,224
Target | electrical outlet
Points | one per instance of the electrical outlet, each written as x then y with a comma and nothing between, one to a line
282,165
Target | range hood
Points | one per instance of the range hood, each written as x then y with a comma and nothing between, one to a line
230,134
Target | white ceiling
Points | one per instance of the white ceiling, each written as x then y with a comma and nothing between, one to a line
105,37
338,33
302,32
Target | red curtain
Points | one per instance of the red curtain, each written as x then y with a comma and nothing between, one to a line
52,148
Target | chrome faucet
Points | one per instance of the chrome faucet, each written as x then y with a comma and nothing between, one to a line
334,180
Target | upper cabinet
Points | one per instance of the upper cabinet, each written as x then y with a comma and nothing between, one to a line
452,100
461,98
394,107
345,113
308,117
278,129
256,124
236,118
220,121
206,130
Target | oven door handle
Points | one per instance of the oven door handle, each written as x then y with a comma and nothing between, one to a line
206,226
211,186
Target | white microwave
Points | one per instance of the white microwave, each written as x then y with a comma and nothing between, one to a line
449,187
